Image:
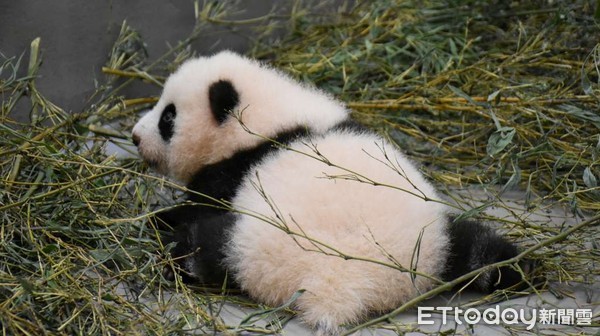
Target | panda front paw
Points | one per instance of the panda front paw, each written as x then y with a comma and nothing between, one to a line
184,255
197,247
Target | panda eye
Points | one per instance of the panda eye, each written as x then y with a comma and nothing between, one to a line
166,122
168,117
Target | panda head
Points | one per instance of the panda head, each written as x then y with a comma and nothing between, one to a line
208,105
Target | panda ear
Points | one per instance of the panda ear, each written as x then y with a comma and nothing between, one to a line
223,99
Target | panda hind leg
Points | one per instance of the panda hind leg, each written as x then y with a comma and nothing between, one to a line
474,245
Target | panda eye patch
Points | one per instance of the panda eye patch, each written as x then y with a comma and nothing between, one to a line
166,122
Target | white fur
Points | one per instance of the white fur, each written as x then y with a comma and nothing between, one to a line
356,218
269,102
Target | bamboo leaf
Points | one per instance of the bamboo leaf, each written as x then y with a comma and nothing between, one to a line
589,179
499,140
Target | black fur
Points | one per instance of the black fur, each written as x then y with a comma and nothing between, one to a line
352,126
166,122
472,246
201,239
223,99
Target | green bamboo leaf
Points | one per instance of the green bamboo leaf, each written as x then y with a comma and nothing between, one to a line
514,179
589,179
34,57
462,94
494,96
499,140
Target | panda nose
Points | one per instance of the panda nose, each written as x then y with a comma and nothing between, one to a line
135,139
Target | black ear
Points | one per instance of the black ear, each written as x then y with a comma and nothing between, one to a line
223,99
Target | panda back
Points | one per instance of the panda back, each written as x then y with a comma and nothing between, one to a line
351,193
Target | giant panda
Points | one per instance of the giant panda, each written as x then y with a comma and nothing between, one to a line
289,195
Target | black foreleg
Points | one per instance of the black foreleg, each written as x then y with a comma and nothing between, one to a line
199,238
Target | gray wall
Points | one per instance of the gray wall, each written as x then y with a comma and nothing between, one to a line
76,37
